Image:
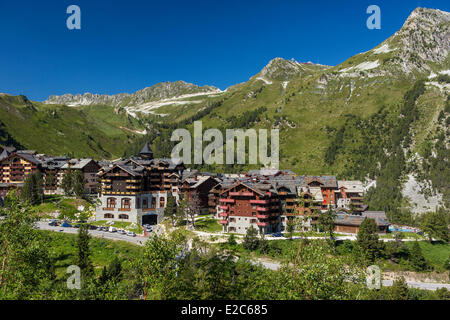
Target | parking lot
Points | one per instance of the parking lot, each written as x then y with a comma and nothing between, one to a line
140,240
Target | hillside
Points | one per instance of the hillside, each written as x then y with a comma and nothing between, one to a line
91,131
382,114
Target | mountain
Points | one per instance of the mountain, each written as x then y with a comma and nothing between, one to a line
93,131
140,101
381,114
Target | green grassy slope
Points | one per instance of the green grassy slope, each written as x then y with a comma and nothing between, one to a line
94,131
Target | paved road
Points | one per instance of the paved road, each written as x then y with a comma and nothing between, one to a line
387,283
139,240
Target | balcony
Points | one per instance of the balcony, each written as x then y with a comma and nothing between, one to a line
262,224
244,194
132,181
262,216
263,209
224,221
124,209
223,214
226,200
108,209
259,201
224,207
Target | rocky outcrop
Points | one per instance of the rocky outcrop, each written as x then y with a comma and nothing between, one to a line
160,91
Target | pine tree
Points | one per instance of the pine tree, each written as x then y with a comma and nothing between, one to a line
67,182
417,259
326,222
435,225
171,209
78,183
38,187
251,241
26,193
367,240
83,251
399,289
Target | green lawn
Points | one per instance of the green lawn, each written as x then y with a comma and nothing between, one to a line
436,253
208,225
103,251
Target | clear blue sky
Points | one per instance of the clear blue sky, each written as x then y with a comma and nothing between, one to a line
124,46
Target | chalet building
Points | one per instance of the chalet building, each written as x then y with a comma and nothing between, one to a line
247,205
136,189
347,223
6,151
53,174
350,195
89,168
16,166
201,186
126,196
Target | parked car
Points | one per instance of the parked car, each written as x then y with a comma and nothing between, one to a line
121,231
277,234
65,224
92,227
112,229
53,223
131,234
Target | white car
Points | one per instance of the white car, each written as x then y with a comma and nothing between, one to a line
112,229
121,231
131,234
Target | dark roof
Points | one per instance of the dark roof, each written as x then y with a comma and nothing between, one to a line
146,150
356,220
374,214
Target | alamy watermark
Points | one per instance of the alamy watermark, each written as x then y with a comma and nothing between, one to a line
74,20
235,143
74,280
373,279
374,21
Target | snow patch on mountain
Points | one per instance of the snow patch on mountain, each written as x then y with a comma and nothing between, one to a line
383,49
265,80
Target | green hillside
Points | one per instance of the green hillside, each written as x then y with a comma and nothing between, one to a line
92,131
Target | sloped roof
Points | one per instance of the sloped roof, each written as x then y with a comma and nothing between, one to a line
77,163
146,150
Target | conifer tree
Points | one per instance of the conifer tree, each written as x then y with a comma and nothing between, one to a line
171,209
417,259
367,240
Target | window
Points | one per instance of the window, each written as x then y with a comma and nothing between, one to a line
162,202
123,216
144,203
153,203
126,203
108,216
111,202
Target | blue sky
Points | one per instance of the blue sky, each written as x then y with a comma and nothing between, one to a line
124,46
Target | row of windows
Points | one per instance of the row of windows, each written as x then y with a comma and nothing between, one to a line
111,216
126,203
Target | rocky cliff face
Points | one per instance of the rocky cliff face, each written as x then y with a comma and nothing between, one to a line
160,91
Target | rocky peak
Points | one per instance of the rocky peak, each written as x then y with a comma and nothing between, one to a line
284,70
424,37
159,91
